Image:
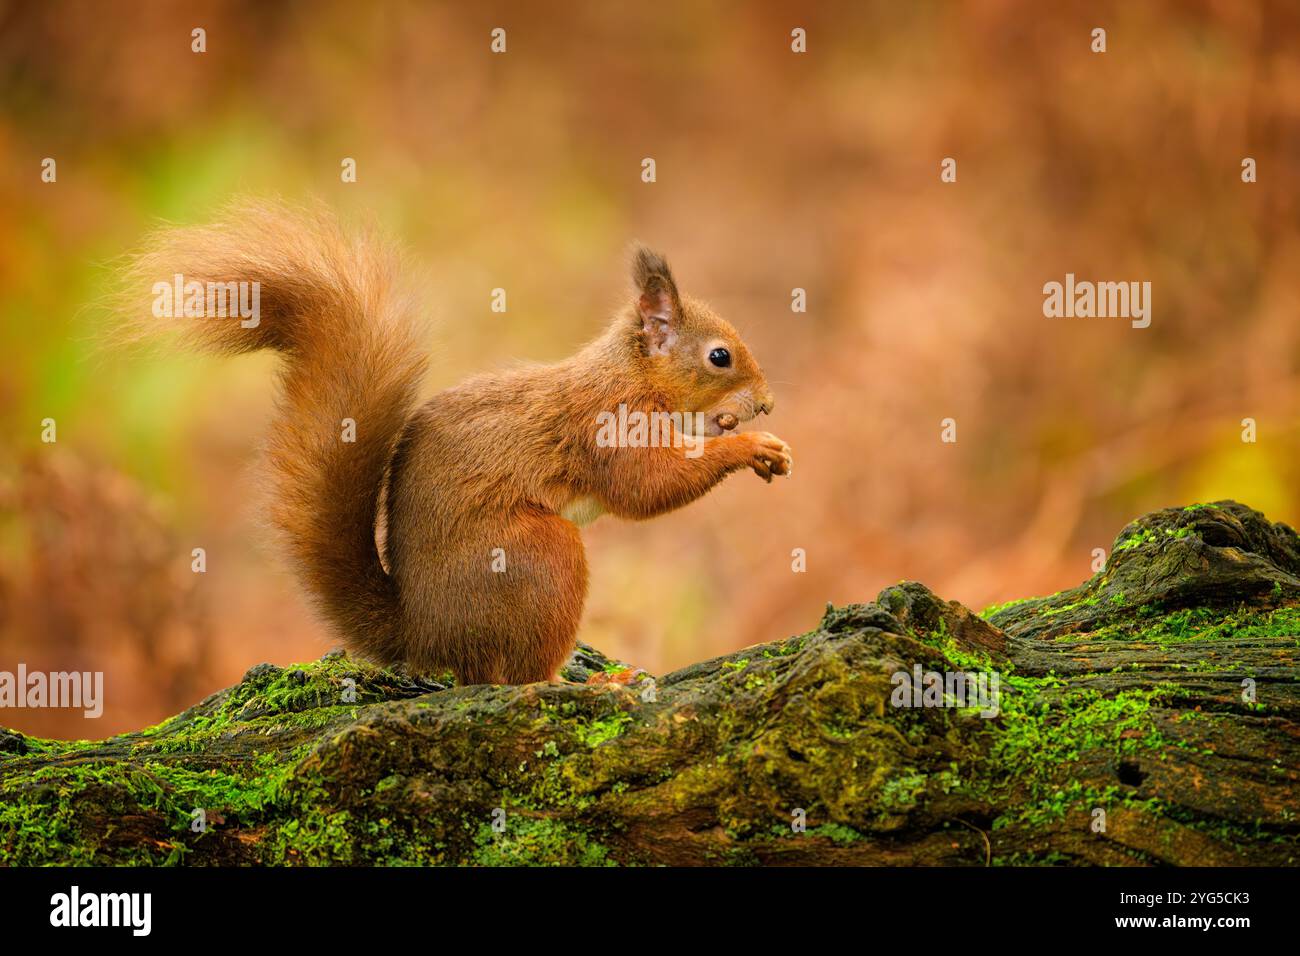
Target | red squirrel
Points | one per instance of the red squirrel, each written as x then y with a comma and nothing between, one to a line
482,488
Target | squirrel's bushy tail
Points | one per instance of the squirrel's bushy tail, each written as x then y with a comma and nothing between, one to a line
330,301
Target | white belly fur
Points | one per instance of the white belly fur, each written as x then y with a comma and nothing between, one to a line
582,511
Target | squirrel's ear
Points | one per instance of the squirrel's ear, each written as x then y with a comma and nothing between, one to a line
658,303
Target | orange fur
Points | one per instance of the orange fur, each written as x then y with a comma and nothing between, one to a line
493,463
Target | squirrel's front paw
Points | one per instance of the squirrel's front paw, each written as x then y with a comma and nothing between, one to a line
771,456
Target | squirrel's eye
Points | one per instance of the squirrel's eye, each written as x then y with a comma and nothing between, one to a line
720,357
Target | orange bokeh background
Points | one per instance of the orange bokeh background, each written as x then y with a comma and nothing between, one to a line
775,171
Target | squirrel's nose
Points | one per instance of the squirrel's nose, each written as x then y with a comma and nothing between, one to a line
767,405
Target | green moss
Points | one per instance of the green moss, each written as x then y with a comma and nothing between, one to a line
1042,730
537,841
59,812
62,801
784,648
593,733
314,839
42,829
1090,601
1145,536
1151,536
838,833
1197,624
1046,725
900,793
992,609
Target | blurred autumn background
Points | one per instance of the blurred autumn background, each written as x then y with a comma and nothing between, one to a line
775,171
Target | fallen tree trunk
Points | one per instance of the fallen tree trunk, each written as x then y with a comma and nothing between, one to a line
1149,716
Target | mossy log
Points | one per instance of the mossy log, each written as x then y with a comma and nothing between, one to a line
1149,716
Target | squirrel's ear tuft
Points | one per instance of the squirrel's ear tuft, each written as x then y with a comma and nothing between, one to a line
650,271
658,303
